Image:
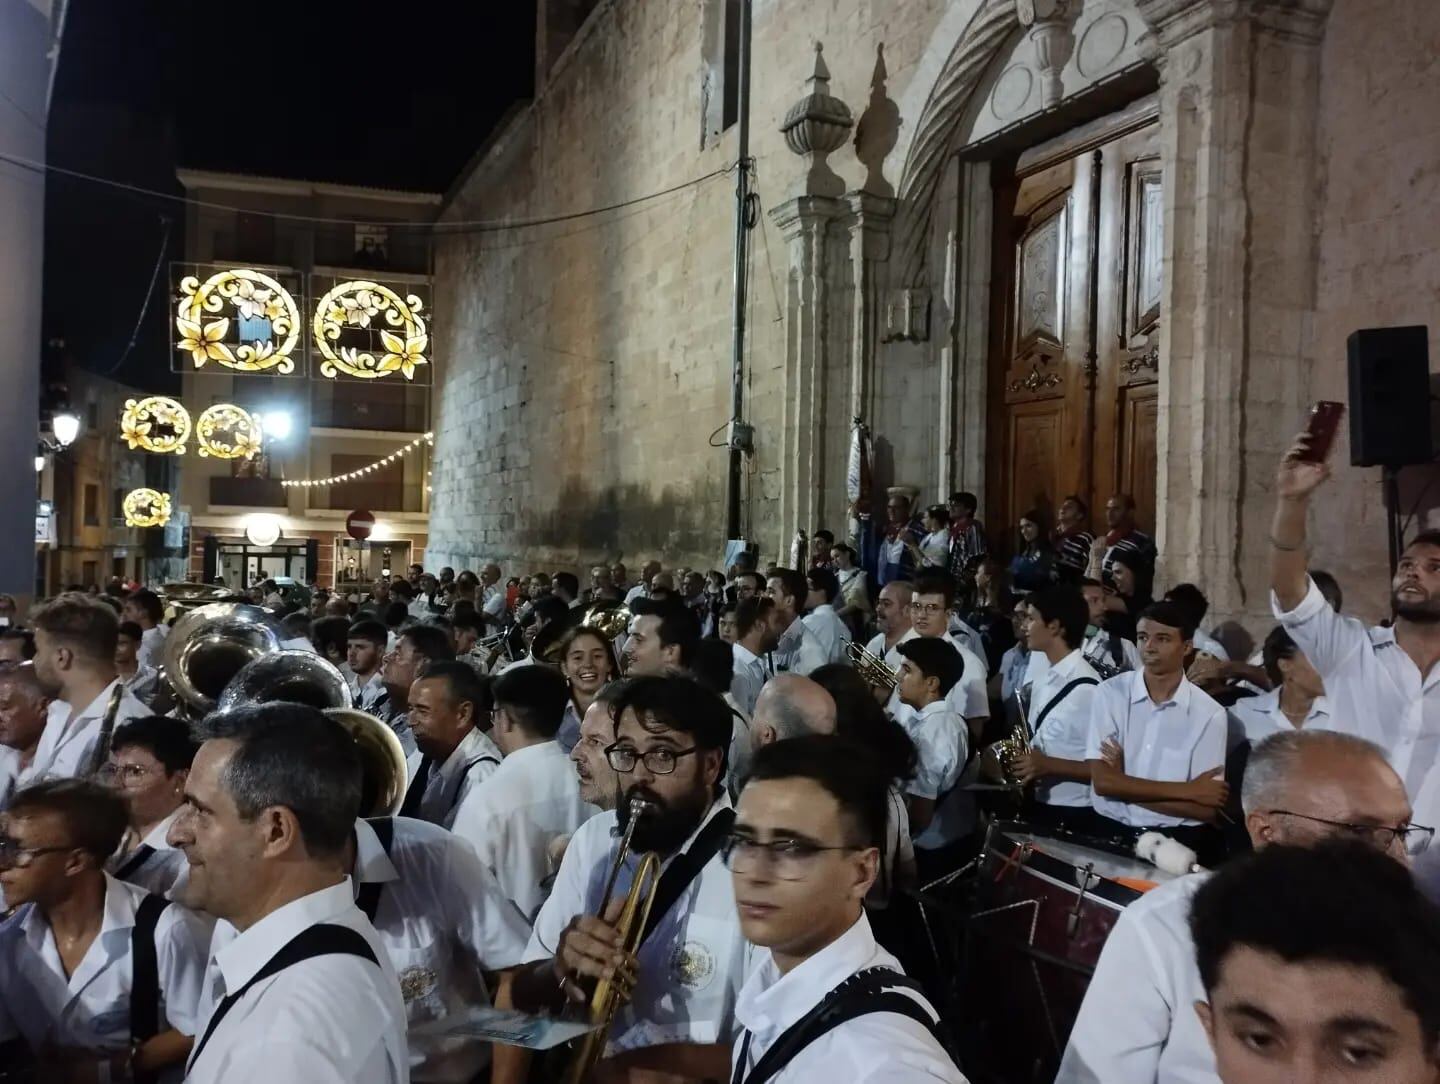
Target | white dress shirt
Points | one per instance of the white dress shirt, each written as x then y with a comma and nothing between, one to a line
9,774
1171,742
1097,650
942,741
493,604
90,1009
66,744
968,699
473,761
369,694
1376,691
825,623
935,548
750,675
870,1049
640,590
801,649
143,684
326,1020
153,864
1137,1024
1065,732
442,921
514,816
152,644
1255,718
966,636
1203,641
692,964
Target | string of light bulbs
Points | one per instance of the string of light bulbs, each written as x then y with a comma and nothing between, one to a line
350,476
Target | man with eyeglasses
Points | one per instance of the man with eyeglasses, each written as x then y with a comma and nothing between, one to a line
804,851
1137,1024
934,593
150,760
99,980
670,747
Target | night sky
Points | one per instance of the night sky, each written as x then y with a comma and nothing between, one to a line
383,94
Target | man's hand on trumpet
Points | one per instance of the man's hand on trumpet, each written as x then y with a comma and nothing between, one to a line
591,946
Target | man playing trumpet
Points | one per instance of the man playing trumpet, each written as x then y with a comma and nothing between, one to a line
671,737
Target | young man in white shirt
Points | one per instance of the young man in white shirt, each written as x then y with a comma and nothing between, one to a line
23,708
98,979
934,594
533,797
803,854
670,748
661,637
449,716
1296,699
941,814
141,682
1157,743
306,991
75,665
755,638
1136,1025
1331,978
145,609
822,591
1383,683
150,760
364,654
800,648
1059,713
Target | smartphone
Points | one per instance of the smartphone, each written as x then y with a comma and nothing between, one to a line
1321,429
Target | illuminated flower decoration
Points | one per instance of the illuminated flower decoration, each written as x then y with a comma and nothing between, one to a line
146,508
253,296
347,344
156,424
227,431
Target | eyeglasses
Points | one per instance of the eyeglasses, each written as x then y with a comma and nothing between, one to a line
657,761
927,609
126,773
788,859
1415,838
14,856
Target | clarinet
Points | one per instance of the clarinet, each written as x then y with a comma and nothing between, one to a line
101,754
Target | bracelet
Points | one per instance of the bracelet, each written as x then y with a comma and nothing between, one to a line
1284,547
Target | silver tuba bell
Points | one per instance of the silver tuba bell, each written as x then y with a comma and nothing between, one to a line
299,676
209,645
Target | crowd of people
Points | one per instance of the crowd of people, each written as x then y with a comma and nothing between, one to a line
223,897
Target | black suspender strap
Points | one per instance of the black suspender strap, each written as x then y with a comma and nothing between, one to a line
322,940
368,898
137,859
1061,695
410,807
687,866
145,976
876,989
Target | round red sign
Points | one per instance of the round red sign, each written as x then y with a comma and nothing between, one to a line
359,524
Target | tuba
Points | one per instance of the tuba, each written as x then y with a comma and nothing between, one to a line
608,616
631,926
299,676
208,646
876,672
382,761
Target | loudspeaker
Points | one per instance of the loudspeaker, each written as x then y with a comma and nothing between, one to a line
1389,396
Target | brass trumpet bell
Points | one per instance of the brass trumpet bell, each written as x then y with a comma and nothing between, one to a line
296,675
209,645
382,761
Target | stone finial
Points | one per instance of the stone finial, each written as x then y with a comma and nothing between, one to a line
816,125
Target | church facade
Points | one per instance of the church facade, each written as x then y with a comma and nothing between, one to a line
1034,247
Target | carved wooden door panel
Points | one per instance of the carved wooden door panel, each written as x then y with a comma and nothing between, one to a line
1075,317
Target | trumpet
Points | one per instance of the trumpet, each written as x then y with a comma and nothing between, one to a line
872,668
1017,743
605,1002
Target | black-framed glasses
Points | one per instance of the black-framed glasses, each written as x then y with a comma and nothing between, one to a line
789,859
15,856
1415,838
660,761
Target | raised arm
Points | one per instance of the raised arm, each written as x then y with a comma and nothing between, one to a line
1295,481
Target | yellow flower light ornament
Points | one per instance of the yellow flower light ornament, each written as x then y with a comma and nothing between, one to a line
156,424
146,508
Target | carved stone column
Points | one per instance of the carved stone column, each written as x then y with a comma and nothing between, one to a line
1238,104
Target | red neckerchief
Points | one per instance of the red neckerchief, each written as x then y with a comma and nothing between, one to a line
1112,537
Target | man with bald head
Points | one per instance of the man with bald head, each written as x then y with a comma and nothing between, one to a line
1138,1024
790,706
642,588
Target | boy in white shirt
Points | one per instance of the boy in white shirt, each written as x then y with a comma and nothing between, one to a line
802,855
941,815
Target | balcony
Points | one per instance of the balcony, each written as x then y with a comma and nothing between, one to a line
377,497
247,492
375,405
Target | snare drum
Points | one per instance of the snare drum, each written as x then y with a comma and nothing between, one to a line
1044,905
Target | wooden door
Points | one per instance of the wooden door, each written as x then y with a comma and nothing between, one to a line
1075,316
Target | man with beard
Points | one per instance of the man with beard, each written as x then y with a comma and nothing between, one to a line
417,647
1383,683
75,664
670,741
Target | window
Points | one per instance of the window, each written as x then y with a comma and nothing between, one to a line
720,70
90,573
117,505
92,415
730,87
92,506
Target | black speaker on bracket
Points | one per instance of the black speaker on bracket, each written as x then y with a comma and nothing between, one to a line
1389,396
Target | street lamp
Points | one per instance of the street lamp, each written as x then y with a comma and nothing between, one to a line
66,427
39,463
